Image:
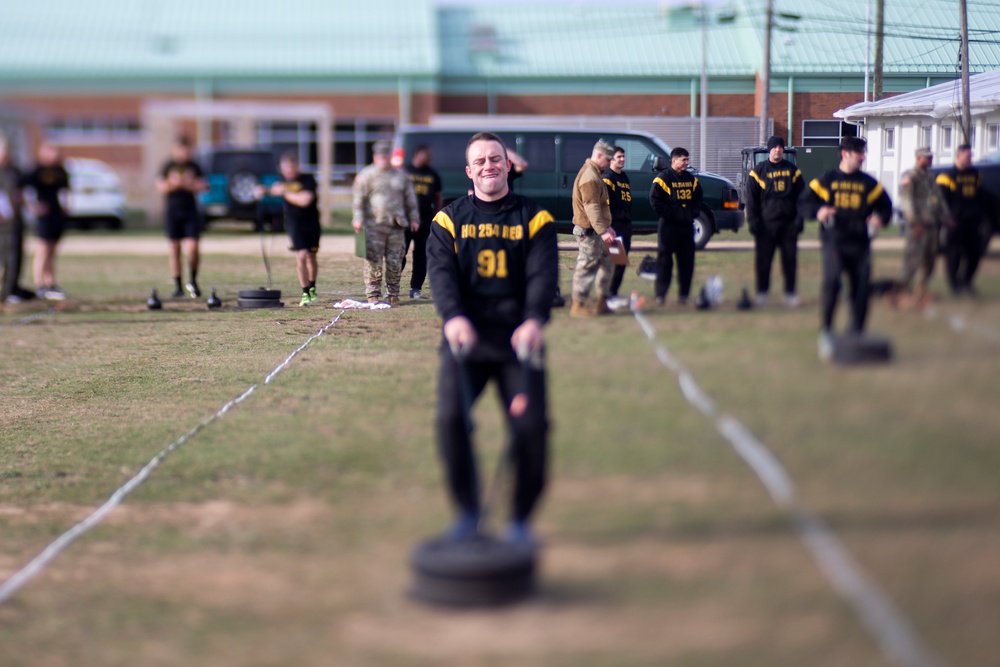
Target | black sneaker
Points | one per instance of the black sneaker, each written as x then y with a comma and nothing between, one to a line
178,294
416,294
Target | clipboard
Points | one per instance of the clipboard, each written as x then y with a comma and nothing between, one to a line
618,254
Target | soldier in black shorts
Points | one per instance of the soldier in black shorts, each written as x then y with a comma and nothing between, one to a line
493,264
181,179
301,220
49,181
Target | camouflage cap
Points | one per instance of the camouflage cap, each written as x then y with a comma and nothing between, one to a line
923,151
604,147
382,147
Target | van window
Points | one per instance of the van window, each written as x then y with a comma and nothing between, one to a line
576,149
539,150
448,149
638,154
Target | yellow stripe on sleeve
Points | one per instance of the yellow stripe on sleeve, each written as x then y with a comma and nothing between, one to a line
695,184
818,188
875,194
609,183
757,178
664,186
442,219
945,180
541,219
797,176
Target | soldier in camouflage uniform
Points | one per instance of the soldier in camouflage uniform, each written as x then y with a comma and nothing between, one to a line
384,204
592,228
924,211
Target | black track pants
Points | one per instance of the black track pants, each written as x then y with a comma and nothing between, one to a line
625,233
962,255
767,241
674,239
419,239
529,448
855,261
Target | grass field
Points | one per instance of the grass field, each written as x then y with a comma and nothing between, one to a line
280,533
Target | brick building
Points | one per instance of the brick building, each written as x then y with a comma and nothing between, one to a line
85,71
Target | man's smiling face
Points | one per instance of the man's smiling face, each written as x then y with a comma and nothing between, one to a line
488,167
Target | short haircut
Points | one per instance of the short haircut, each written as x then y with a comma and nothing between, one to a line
183,140
679,152
617,149
421,148
963,147
485,136
853,144
291,156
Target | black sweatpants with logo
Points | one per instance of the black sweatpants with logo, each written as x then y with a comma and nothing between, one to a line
528,446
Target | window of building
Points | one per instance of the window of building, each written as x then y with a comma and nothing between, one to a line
95,130
925,137
889,140
826,132
946,138
993,136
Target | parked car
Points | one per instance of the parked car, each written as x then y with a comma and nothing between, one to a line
232,175
554,157
95,194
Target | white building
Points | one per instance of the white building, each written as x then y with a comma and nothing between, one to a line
895,127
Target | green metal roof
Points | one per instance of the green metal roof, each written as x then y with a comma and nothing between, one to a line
145,43
810,36
921,36
204,38
588,41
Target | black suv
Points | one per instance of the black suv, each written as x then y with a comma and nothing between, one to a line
232,175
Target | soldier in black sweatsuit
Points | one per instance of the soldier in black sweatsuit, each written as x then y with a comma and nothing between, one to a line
845,238
620,201
676,199
773,191
961,187
496,264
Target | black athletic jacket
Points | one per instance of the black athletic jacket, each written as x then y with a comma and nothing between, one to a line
856,196
496,263
675,198
773,192
963,191
619,197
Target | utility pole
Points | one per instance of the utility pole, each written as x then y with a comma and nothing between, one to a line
703,138
966,110
765,87
879,38
868,45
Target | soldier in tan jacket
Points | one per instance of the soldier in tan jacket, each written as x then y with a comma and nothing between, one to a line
384,205
592,228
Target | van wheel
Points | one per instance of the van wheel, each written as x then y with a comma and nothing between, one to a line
704,228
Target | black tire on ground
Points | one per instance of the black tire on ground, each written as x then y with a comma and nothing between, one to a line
853,348
272,294
259,303
704,228
484,572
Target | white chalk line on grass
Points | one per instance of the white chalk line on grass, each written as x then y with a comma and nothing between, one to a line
29,319
38,563
890,629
